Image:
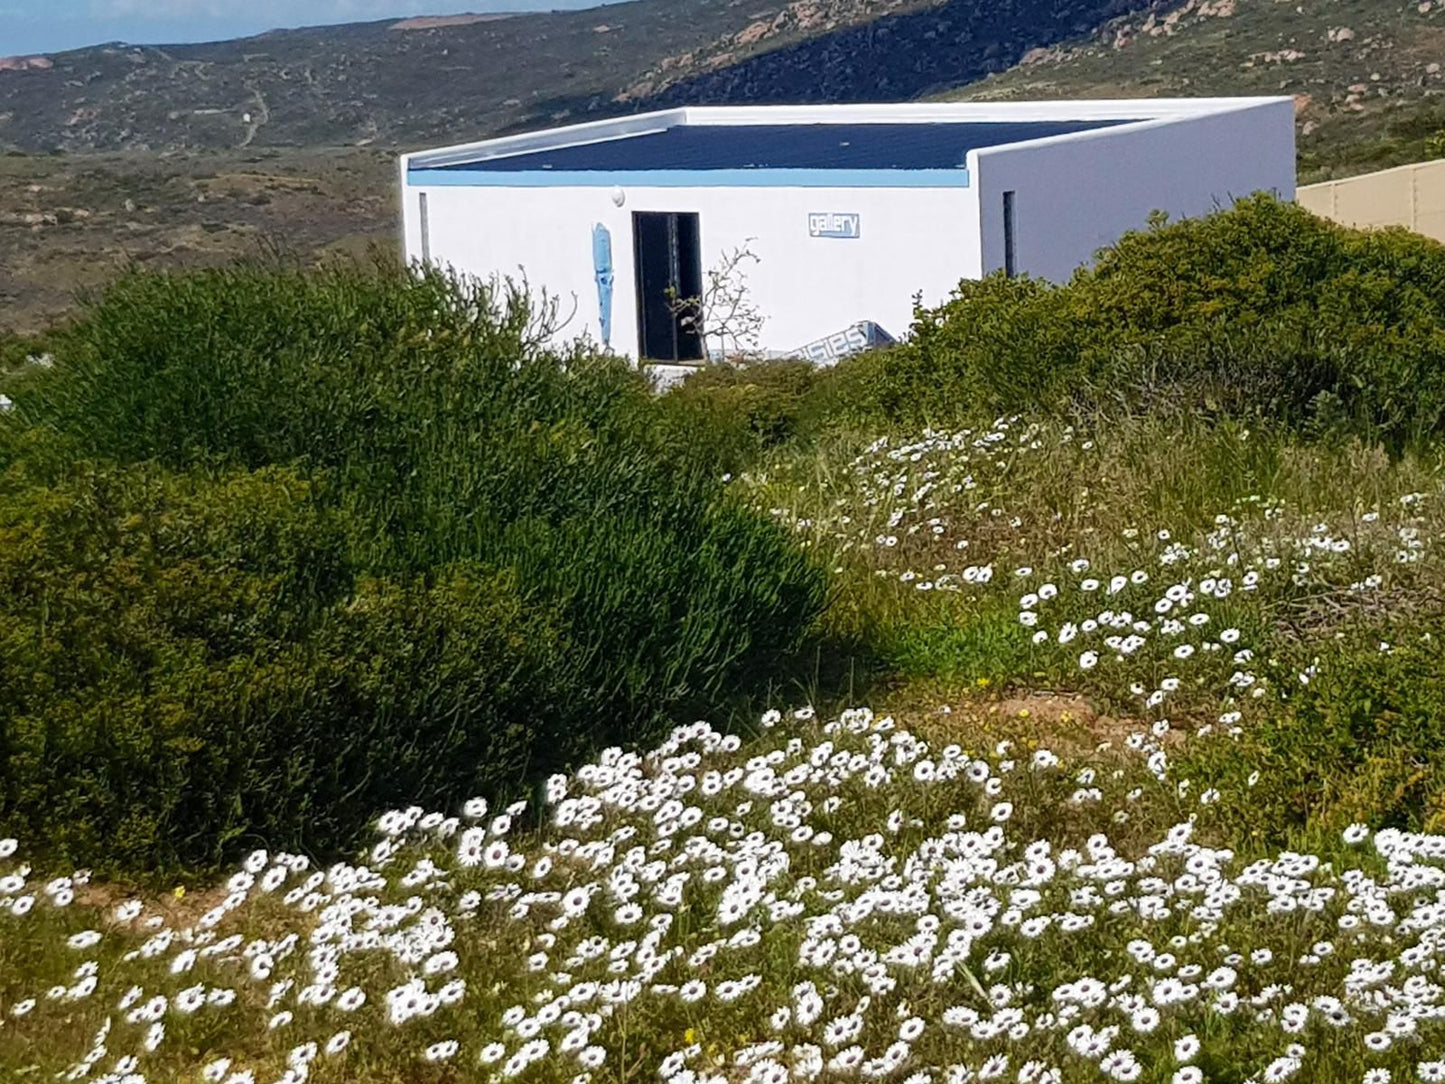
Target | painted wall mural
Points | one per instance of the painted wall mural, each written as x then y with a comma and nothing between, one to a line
602,267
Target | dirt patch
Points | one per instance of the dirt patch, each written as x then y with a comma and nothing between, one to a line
1072,718
177,910
1068,723
1047,707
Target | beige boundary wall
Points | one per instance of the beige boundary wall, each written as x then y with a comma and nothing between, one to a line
1412,196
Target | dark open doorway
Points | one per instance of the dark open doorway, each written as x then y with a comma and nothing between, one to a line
668,255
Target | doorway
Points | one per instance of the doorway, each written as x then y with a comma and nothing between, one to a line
667,253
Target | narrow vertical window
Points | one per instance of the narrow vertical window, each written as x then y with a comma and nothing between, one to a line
425,230
1010,262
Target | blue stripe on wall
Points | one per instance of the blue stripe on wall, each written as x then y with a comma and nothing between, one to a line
694,178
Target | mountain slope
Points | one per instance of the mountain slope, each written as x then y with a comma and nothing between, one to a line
1367,74
384,83
896,56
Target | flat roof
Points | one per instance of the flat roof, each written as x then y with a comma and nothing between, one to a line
816,146
899,145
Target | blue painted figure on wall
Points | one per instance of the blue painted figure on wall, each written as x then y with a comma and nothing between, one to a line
602,263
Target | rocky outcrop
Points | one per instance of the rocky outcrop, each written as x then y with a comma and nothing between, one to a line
913,51
433,22
25,63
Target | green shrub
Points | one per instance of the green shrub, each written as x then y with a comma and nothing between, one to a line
545,570
259,364
1363,741
12,352
185,665
741,411
1260,311
999,344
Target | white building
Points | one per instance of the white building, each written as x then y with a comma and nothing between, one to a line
851,210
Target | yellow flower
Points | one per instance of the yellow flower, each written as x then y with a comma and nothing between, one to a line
180,892
689,1036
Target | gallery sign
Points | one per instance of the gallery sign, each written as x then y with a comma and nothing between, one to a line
847,225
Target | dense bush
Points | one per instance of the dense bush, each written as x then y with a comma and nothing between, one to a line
1363,741
1260,310
185,664
743,410
18,354
360,539
997,340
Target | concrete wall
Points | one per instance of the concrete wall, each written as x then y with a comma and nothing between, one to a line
1078,193
910,241
1409,196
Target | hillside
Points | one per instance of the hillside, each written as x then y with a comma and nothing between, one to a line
414,81
72,222
897,56
386,83
1359,67
1367,74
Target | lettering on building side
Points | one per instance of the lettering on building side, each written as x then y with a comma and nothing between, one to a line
839,224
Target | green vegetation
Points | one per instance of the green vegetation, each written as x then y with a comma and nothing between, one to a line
1411,132
1259,368
192,664
1264,314
308,485
1145,575
312,543
1361,743
746,410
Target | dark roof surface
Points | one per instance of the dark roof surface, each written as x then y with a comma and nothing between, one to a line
875,145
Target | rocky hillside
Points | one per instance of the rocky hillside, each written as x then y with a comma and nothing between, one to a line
1367,74
390,84
901,54
382,83
395,83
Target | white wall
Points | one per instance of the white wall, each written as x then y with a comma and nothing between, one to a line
1078,193
911,240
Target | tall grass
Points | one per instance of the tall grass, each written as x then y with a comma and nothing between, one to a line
902,520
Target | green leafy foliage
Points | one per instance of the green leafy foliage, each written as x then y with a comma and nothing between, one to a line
187,664
964,357
747,409
1260,311
1361,742
355,537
